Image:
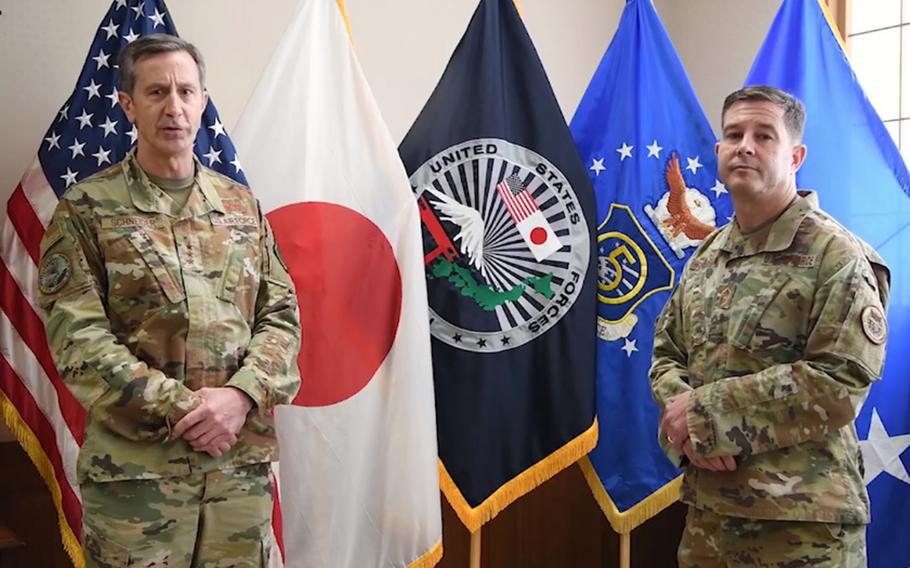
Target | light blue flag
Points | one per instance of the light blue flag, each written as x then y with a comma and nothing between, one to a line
863,181
649,151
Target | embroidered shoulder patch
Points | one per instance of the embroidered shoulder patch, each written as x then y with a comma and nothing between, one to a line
54,273
874,324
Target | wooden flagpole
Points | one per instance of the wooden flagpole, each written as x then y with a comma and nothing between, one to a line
625,549
475,548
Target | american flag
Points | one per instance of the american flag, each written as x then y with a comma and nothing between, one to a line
88,134
517,198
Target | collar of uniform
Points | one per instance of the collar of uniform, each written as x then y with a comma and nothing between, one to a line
779,236
149,198
203,179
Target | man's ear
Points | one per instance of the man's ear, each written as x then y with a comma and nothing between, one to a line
126,103
798,156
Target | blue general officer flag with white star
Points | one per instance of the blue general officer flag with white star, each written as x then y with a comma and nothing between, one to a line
863,182
650,152
91,132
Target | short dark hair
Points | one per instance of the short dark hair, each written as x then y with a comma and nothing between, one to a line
151,45
794,111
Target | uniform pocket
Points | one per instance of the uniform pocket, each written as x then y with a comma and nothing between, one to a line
103,553
745,325
155,263
138,278
240,278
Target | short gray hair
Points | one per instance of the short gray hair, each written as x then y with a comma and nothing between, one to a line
151,45
794,111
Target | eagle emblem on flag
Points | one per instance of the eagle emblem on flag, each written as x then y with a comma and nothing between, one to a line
684,215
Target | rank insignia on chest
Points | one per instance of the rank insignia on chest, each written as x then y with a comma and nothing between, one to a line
725,296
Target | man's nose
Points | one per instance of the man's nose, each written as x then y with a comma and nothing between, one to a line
746,146
172,104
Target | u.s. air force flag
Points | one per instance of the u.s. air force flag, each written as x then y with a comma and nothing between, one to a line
507,214
863,182
649,150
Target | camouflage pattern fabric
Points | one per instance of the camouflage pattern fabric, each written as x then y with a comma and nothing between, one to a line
717,541
146,302
780,333
220,519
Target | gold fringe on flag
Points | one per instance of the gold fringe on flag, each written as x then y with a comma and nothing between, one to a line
624,522
430,558
474,517
32,447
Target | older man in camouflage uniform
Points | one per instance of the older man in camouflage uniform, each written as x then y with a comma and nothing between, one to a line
173,320
762,356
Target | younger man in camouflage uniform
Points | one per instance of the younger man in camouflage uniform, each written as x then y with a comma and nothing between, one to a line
173,320
762,356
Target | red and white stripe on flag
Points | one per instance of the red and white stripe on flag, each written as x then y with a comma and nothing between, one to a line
529,219
38,408
520,205
359,477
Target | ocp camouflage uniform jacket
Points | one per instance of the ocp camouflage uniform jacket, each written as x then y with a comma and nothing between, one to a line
780,334
145,303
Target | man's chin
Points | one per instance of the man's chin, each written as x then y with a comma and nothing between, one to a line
170,149
741,187
177,145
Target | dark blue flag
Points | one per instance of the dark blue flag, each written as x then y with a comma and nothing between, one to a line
863,182
649,151
508,222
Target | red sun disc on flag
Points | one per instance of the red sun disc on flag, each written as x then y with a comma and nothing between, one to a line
538,235
349,291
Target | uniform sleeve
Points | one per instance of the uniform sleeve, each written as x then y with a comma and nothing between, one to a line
669,373
269,373
140,402
789,404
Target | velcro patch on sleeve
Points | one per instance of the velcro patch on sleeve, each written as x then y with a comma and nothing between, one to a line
56,269
875,326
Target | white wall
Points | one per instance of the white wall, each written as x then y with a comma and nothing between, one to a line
403,46
717,41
